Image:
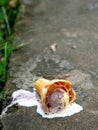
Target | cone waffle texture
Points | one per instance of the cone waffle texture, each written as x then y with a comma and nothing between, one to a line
45,87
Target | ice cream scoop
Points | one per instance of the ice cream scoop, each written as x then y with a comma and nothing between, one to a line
55,94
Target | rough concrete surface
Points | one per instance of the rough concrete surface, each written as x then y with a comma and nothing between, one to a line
73,26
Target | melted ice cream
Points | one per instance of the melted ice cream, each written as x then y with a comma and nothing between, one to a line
30,99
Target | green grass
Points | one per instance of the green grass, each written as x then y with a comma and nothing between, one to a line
6,51
8,17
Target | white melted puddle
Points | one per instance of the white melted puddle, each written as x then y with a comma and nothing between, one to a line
29,99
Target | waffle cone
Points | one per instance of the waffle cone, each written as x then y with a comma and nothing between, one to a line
45,87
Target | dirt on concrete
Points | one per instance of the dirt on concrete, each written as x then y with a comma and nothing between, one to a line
73,26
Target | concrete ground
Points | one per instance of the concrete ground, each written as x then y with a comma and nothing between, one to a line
73,26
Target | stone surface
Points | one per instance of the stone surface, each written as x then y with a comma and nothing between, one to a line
73,26
28,119
46,63
22,117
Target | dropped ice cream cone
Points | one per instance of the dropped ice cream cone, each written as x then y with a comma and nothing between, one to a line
55,94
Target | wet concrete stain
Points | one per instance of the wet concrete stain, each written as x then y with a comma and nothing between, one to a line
72,25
